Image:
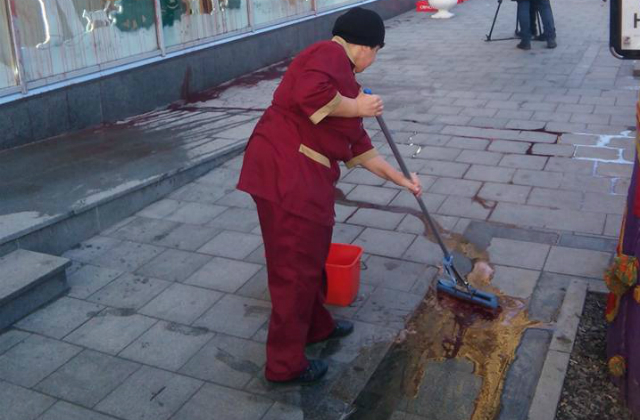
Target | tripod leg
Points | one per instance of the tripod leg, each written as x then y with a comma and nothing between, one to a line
494,20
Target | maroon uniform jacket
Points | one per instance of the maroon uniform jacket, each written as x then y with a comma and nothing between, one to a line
292,156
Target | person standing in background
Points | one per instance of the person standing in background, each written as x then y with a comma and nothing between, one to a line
524,20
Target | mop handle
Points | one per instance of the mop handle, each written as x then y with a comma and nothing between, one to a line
407,174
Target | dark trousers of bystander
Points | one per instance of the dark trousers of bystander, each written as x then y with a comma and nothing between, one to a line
524,19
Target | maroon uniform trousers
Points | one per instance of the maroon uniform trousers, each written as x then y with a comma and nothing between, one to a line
296,251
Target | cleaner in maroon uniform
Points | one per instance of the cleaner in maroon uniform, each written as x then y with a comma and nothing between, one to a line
291,168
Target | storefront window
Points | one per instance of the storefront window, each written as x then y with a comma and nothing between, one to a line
7,64
191,20
60,36
266,11
328,4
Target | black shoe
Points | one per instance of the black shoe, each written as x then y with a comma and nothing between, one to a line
316,370
524,45
551,43
341,329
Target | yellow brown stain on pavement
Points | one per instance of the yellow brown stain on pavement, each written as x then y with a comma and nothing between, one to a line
446,328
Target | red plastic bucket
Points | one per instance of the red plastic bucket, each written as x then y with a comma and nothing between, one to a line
343,274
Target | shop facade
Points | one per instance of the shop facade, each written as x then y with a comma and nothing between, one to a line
70,64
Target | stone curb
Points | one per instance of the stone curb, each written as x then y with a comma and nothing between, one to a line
549,388
62,232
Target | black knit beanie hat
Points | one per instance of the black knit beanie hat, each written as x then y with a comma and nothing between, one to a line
361,27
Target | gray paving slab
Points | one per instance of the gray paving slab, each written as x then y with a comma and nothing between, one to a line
558,150
345,233
227,361
524,162
223,274
230,244
467,207
604,203
593,243
129,291
64,411
186,237
87,378
490,174
242,220
149,394
111,330
391,273
504,192
92,249
237,199
213,402
559,164
88,279
281,411
199,193
384,243
408,200
235,315
173,265
448,169
561,219
454,186
127,256
388,308
195,213
143,229
22,404
256,287
557,199
469,143
376,218
10,338
537,178
516,282
518,254
181,303
506,146
167,345
449,394
612,226
160,209
35,358
548,296
577,262
362,176
60,317
371,194
343,212
417,225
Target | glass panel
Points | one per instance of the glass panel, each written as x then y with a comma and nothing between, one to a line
7,67
59,36
266,11
191,20
328,4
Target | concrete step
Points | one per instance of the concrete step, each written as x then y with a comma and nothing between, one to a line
67,189
29,280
